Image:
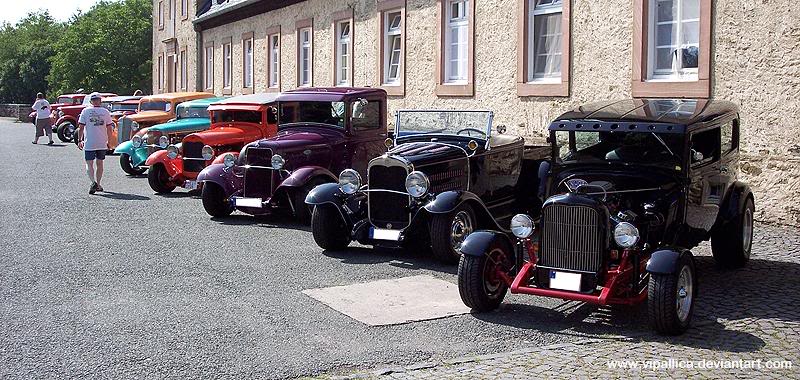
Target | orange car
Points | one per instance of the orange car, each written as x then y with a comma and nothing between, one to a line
157,109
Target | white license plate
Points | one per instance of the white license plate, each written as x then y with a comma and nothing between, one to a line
248,202
381,234
565,281
191,185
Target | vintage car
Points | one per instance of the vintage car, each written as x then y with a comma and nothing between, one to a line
65,100
191,116
119,110
66,122
157,109
630,188
234,122
321,131
445,175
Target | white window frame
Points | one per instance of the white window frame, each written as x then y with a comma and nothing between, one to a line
343,46
390,35
274,41
554,7
672,75
247,70
184,71
184,8
161,15
227,62
304,59
457,23
209,67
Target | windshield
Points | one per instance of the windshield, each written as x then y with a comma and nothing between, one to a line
476,124
237,116
67,100
331,113
155,106
190,112
633,147
123,107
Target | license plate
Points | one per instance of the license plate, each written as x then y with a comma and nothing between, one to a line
191,185
565,281
247,202
381,234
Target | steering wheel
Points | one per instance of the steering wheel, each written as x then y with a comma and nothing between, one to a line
470,130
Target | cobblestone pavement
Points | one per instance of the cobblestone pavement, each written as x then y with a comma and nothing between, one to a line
748,318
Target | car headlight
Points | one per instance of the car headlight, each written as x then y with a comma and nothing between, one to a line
60,113
135,126
278,162
229,160
207,152
137,141
172,152
417,184
521,226
163,142
626,235
349,181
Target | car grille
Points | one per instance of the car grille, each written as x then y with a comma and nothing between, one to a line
194,152
258,180
573,238
386,208
123,129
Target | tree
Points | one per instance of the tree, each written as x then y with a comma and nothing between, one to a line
109,48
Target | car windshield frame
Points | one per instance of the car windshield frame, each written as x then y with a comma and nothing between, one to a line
68,100
213,117
344,118
166,106
401,115
116,107
203,112
670,155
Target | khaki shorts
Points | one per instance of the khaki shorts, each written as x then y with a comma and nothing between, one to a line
43,126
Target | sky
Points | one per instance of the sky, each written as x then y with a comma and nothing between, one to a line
61,10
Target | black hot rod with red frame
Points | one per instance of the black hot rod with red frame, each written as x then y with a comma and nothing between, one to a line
630,188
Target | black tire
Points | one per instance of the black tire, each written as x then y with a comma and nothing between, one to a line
328,228
443,246
125,163
731,245
662,295
215,202
158,179
65,131
302,211
479,288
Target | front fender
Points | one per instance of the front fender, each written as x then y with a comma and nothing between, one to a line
325,193
478,242
125,148
173,166
665,260
301,176
67,118
226,178
220,159
447,201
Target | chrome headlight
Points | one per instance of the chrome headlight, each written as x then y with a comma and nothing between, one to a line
172,152
349,181
229,160
521,226
60,113
207,152
137,141
135,126
278,162
626,235
163,142
417,184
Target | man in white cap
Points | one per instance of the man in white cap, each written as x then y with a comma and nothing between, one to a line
43,123
94,127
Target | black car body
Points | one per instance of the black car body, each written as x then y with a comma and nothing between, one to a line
462,177
631,187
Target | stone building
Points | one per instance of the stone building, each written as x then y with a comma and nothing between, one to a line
527,60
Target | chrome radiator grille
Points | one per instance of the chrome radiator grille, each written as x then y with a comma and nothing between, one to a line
258,176
573,238
388,208
194,151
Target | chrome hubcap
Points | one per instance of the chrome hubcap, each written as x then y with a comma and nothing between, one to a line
462,226
683,301
747,231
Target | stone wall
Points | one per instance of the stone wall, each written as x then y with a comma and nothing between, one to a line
17,111
755,63
184,37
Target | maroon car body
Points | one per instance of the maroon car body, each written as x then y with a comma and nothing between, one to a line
321,131
67,122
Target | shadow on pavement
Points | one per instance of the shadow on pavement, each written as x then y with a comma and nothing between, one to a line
122,196
268,221
53,146
396,257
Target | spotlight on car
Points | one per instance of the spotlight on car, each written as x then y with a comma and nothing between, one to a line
172,152
207,152
135,126
417,184
278,162
626,235
137,141
229,160
349,181
522,226
163,142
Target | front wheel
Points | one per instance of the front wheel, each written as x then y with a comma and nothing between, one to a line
448,231
670,298
731,245
214,200
127,167
480,282
328,228
158,179
66,132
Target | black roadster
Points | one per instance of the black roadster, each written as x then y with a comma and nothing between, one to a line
445,174
631,186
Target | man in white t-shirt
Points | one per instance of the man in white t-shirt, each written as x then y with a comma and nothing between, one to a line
94,127
43,122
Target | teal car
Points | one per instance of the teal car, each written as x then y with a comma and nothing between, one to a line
191,116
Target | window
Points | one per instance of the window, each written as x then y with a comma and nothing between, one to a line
184,8
209,67
729,143
184,71
544,46
304,54
391,46
366,115
672,48
393,42
330,113
705,146
226,65
456,40
343,56
274,52
160,15
160,72
247,49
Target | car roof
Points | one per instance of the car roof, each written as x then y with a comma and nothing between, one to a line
259,99
328,94
115,99
178,95
683,112
201,102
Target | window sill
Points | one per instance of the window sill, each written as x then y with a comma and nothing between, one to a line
466,90
273,89
393,89
544,89
247,91
671,89
226,91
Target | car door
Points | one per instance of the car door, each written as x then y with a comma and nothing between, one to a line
366,135
707,187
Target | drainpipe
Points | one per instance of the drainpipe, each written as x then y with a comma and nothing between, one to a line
200,66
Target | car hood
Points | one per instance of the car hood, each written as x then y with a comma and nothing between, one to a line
183,125
222,136
297,138
151,116
423,153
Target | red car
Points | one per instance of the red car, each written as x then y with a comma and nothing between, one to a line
67,122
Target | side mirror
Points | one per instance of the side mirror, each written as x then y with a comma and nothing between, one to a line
501,129
697,156
544,171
